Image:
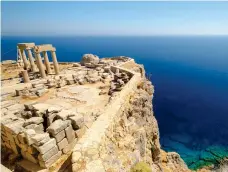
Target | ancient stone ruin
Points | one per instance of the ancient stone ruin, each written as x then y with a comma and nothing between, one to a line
94,115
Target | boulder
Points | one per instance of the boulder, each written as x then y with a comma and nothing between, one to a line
89,58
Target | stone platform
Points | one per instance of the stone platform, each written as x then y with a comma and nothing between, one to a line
42,120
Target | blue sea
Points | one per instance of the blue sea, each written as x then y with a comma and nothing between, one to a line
190,76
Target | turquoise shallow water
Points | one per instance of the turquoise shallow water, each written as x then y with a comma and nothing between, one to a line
190,75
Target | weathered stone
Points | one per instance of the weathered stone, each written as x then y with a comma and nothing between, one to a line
40,139
57,126
38,128
89,58
51,118
48,154
15,127
59,136
15,107
63,143
41,92
33,120
50,161
47,146
69,147
77,121
70,134
54,109
64,114
28,134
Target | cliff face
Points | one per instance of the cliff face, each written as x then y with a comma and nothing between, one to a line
134,136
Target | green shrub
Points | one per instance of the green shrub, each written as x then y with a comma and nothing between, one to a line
141,167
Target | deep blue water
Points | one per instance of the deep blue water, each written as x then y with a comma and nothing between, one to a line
190,75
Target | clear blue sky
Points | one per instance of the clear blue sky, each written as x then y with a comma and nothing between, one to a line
114,18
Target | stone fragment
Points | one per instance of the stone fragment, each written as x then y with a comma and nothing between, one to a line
77,121
59,136
41,92
33,120
48,154
50,161
70,134
63,143
54,109
57,126
69,147
47,146
51,118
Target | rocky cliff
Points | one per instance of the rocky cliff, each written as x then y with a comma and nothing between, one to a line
131,136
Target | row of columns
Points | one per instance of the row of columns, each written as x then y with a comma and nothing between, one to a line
46,63
37,50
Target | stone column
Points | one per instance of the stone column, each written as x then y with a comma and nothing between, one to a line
55,62
46,62
25,76
33,67
23,55
40,65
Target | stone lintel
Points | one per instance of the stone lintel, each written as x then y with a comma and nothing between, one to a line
44,47
25,45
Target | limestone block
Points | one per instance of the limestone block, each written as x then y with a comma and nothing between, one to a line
41,107
50,118
59,136
29,157
28,134
50,161
15,127
77,121
40,139
69,147
35,85
54,109
58,126
33,120
48,154
14,107
47,146
64,114
41,92
62,144
38,128
70,134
